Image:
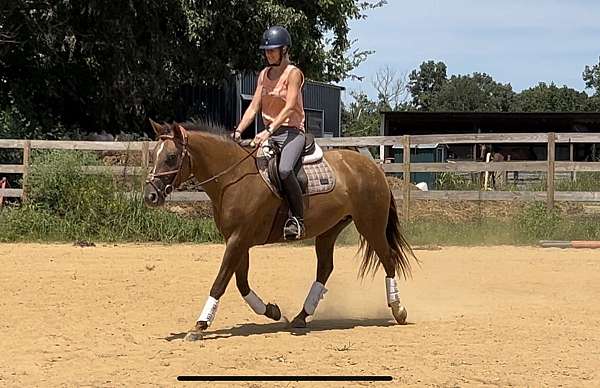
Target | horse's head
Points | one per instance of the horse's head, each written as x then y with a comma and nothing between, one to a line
172,163
483,150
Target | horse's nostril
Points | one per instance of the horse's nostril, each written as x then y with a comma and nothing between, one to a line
153,197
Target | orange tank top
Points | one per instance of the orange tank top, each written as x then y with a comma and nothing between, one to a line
274,97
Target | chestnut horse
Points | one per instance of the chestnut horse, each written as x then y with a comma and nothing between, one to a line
245,210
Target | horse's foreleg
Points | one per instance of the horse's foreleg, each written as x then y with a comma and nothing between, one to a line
256,304
231,260
324,245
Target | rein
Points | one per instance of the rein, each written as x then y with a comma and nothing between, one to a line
229,168
169,188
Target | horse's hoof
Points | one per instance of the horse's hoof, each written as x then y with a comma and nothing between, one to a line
193,336
399,313
298,323
273,312
196,333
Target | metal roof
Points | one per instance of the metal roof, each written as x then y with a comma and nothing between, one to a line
448,122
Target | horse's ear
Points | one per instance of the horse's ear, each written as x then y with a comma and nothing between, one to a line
158,129
178,132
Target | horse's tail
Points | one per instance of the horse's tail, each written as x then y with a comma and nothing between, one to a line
401,252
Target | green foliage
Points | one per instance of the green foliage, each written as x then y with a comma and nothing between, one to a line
106,65
431,90
585,181
66,205
593,104
454,181
58,184
530,225
591,77
425,83
537,222
473,93
361,117
544,98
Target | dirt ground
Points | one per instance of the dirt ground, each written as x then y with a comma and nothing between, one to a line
115,315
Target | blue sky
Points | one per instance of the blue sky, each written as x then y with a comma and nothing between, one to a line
521,42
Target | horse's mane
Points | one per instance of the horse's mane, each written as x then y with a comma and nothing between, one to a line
207,126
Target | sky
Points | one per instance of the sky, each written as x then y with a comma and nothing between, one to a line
521,42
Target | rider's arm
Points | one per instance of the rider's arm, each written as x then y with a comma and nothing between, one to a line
293,90
252,110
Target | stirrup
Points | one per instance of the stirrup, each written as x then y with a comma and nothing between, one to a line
293,229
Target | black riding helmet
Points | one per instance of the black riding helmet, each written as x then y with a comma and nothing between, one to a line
275,37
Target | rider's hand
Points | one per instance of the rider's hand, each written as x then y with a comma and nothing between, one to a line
261,137
236,136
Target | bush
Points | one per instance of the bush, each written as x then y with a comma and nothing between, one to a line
65,205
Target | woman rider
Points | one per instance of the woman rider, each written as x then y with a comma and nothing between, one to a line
279,97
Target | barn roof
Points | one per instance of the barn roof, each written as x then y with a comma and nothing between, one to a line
397,123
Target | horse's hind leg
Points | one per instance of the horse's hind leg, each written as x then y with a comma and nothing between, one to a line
324,245
256,304
371,226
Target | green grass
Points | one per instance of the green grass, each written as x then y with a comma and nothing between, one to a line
530,225
66,205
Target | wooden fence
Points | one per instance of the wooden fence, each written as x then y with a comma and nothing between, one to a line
549,166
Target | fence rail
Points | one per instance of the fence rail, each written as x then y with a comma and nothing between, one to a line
549,166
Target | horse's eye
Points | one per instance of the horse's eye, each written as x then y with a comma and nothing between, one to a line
171,158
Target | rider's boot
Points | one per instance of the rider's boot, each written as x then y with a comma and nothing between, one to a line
294,226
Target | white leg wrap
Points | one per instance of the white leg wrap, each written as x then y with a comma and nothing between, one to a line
209,311
391,289
314,296
255,303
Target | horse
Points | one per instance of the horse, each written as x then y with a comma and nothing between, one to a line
245,211
504,152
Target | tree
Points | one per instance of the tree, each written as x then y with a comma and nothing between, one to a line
550,98
361,117
591,76
106,65
391,89
473,93
593,104
425,83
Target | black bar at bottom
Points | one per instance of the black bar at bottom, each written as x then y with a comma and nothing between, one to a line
284,378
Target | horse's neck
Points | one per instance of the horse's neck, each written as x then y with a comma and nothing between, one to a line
211,155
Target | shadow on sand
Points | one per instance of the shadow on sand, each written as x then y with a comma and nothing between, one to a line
249,329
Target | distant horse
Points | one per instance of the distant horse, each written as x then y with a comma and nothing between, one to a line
505,152
246,213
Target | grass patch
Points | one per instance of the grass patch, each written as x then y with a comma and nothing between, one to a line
65,205
533,223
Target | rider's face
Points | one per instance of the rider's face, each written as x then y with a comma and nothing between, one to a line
273,55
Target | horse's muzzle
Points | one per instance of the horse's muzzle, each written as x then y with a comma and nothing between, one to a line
152,195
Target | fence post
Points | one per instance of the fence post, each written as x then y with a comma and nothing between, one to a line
551,169
26,155
382,133
145,162
572,158
406,176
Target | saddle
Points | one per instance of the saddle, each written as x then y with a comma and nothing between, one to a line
312,153
312,170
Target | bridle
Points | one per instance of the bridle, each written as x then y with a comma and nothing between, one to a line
168,189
